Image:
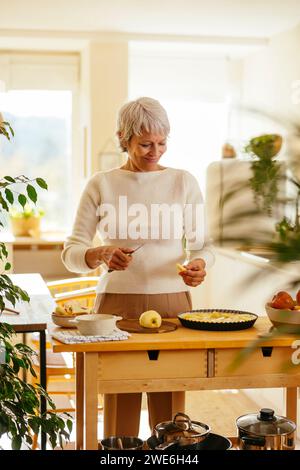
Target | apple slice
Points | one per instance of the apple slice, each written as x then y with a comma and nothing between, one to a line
59,310
180,268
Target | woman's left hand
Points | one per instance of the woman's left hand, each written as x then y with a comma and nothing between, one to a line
195,273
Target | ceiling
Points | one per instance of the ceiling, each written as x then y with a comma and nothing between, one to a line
216,18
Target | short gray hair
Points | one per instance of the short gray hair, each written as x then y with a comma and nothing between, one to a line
143,114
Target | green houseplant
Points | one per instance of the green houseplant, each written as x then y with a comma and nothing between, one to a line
266,170
20,415
282,242
26,222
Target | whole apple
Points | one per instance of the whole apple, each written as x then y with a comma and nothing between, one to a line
150,319
282,300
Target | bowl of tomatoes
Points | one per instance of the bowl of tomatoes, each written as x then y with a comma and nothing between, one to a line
284,312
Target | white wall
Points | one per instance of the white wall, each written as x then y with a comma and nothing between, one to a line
109,89
270,74
103,87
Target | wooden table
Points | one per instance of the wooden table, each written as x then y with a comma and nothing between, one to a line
181,360
33,317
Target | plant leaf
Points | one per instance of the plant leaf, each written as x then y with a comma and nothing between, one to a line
31,193
9,196
16,442
34,424
24,295
7,279
3,203
11,298
10,179
3,249
42,183
22,199
70,425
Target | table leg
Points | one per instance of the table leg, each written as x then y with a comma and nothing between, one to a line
291,403
79,400
109,415
43,381
90,400
178,402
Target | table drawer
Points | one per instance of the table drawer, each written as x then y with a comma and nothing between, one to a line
261,361
138,364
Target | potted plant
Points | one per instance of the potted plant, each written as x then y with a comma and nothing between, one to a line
26,222
283,241
20,415
266,170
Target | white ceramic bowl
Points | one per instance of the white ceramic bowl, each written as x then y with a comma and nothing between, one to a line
96,324
287,319
65,321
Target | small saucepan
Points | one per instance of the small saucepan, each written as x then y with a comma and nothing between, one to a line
179,432
265,431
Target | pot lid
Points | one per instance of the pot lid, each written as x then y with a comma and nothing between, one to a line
181,426
265,423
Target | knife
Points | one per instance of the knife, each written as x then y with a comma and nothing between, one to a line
11,310
129,254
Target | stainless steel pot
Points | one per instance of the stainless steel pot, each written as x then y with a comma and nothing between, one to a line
180,432
122,443
265,431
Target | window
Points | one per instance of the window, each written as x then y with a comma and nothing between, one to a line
39,97
41,147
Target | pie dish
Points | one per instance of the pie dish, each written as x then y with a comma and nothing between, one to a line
217,319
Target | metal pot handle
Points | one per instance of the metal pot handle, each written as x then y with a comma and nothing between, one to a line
166,445
179,422
155,443
254,441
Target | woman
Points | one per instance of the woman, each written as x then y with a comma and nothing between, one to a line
141,203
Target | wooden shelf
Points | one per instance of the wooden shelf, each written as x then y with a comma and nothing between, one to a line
46,238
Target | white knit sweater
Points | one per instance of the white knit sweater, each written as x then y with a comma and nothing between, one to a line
153,267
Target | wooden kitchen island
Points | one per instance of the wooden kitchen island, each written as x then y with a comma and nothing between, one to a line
183,359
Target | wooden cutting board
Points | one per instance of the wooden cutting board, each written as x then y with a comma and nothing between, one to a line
133,326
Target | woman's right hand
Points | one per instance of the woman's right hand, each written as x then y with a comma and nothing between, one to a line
115,258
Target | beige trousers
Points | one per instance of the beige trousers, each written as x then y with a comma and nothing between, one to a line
122,411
